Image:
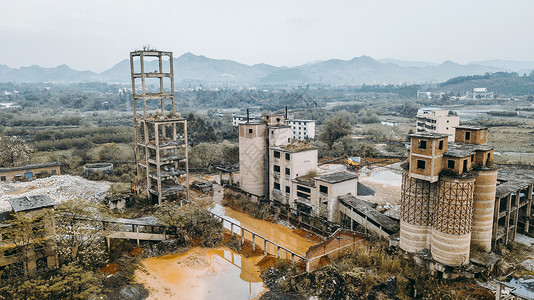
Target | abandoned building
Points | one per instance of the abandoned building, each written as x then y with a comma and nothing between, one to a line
436,120
275,166
30,172
160,137
40,256
452,198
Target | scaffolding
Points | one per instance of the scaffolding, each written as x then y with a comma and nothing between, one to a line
160,136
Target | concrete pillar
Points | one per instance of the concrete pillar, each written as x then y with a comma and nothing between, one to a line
242,236
264,247
278,252
253,242
507,221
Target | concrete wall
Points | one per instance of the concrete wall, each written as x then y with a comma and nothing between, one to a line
252,158
334,191
483,208
477,136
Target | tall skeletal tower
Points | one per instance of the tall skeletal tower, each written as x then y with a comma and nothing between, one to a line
160,133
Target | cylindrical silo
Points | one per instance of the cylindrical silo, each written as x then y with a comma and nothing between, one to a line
483,208
451,224
253,157
416,199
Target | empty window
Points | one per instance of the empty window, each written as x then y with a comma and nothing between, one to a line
472,157
272,131
288,190
277,154
465,165
323,189
422,144
277,119
420,164
277,186
304,189
250,131
450,164
468,136
288,157
440,145
3,178
54,172
288,172
447,121
276,168
302,195
289,140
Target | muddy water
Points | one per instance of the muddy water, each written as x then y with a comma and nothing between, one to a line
201,274
276,233
217,273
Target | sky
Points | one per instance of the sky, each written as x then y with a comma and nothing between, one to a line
94,35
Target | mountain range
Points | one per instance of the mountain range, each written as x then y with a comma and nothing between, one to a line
195,69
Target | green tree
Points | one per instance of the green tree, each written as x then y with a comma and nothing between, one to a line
335,128
26,232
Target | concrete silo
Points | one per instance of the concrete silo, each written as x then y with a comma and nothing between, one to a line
253,157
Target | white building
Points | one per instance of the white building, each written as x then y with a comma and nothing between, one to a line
302,129
436,120
424,95
482,93
236,120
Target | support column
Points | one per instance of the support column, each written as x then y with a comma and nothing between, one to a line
507,221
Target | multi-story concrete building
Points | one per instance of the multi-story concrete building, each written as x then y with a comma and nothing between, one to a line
18,249
302,129
275,165
436,120
448,195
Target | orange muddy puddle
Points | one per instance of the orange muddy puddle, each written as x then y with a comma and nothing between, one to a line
274,232
201,273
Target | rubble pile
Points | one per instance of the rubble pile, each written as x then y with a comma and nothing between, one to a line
60,188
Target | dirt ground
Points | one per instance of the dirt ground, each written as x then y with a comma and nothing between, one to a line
385,181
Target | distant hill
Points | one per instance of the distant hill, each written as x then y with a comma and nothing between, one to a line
508,65
191,68
500,83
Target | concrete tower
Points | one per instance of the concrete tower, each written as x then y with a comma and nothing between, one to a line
448,192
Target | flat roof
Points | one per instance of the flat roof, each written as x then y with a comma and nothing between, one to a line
511,180
429,135
464,150
253,122
297,120
336,177
34,166
31,202
472,127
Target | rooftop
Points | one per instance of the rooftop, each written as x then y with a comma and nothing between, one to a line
429,135
34,166
471,127
337,177
464,150
512,179
298,145
31,202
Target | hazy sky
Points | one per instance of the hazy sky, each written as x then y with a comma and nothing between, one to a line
94,35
